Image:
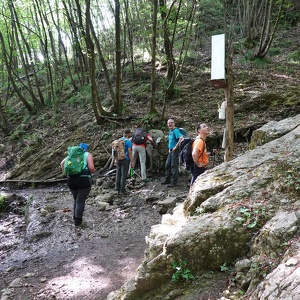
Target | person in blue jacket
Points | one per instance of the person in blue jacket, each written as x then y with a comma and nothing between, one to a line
124,164
172,162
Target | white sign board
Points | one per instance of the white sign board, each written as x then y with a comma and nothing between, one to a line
218,57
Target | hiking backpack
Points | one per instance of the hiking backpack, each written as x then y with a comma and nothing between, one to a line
139,137
186,150
183,132
118,149
186,157
74,163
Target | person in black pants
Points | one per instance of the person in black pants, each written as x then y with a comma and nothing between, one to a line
124,164
80,186
172,163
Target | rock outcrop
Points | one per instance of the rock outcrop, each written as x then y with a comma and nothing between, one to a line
242,214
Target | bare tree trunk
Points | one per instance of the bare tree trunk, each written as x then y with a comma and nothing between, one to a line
43,39
153,69
8,66
79,59
130,38
91,58
267,34
103,63
229,107
3,121
167,41
118,104
61,52
27,64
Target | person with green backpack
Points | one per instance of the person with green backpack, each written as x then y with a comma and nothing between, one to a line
78,166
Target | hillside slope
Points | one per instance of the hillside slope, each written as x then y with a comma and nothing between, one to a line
263,91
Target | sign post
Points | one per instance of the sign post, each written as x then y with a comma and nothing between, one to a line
221,77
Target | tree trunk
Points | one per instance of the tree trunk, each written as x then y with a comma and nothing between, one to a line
118,104
229,107
153,71
91,57
103,63
27,64
268,33
130,38
11,78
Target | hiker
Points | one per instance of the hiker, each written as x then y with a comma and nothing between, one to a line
172,163
199,153
80,185
139,142
123,164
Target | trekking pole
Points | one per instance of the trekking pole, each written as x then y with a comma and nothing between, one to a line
137,174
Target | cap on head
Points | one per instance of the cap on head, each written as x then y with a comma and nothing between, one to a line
84,146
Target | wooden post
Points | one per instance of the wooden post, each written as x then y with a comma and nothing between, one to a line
222,77
229,108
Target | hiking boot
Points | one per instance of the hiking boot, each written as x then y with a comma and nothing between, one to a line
77,221
124,193
171,185
146,180
166,182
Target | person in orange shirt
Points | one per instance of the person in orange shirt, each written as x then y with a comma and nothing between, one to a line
200,153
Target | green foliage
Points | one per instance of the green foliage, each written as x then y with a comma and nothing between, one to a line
291,180
3,203
274,51
80,98
16,135
288,178
250,217
141,90
181,273
261,63
199,211
261,268
149,120
294,56
209,19
225,268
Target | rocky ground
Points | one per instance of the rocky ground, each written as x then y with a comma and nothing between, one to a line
43,256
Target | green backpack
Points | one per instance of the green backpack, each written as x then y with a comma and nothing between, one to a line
74,163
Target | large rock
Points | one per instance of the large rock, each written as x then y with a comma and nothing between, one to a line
248,207
273,130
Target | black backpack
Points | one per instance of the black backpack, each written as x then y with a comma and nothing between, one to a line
186,150
139,137
186,157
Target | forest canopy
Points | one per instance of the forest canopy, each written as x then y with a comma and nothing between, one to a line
55,50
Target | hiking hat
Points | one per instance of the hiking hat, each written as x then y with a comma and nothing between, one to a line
84,146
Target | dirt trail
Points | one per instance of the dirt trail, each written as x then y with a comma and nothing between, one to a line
46,257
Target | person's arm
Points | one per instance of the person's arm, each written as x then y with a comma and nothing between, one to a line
130,155
62,164
180,139
90,163
149,138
